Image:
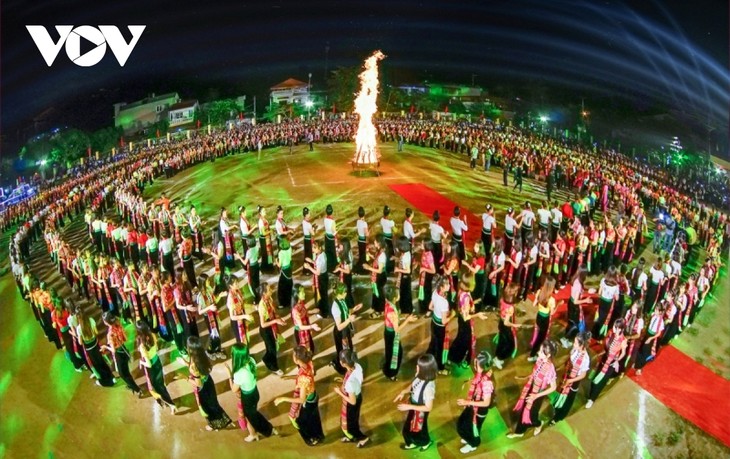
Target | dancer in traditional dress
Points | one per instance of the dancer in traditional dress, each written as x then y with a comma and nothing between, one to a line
378,277
403,271
344,329
318,267
269,330
116,339
440,318
545,304
330,238
199,368
576,317
392,334
437,236
576,369
237,312
463,349
650,344
87,333
540,383
286,283
506,338
265,247
476,405
425,277
300,317
150,362
351,394
610,364
608,294
242,378
421,392
304,412
206,301
363,232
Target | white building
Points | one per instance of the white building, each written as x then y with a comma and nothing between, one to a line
182,112
138,115
290,91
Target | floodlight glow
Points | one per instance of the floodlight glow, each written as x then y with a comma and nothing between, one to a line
308,104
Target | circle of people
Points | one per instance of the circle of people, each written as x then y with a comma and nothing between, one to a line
129,270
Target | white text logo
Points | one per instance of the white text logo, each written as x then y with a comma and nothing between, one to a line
71,36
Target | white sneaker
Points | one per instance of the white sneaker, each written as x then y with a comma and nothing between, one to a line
279,373
532,359
463,442
497,363
589,404
466,449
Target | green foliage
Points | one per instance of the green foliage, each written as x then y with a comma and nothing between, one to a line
163,126
285,110
342,85
220,111
105,139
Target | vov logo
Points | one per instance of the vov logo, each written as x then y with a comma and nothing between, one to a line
71,36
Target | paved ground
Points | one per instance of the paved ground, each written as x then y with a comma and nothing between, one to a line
48,410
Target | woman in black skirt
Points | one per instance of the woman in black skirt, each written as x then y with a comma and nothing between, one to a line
60,317
403,270
378,277
199,367
270,329
116,339
463,349
392,333
150,361
476,404
318,267
286,282
351,394
304,412
507,337
425,277
344,268
421,392
86,331
242,378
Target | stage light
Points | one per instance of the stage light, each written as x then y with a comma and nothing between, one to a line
544,118
308,104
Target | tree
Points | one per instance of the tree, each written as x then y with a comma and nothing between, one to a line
105,139
342,85
220,111
70,145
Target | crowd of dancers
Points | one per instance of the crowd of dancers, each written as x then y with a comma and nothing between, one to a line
147,262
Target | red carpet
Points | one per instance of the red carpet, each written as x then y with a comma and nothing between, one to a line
689,389
426,200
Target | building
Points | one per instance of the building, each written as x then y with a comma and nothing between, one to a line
182,112
290,91
138,115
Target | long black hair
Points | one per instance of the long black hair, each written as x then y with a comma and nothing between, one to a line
198,356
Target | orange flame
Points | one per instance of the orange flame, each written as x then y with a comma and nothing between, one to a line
365,107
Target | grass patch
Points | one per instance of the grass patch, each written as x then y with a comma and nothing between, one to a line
692,331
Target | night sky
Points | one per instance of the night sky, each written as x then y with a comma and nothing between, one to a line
675,51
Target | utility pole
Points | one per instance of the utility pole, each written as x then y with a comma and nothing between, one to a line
254,107
473,75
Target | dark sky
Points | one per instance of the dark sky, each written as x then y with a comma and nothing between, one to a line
669,50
